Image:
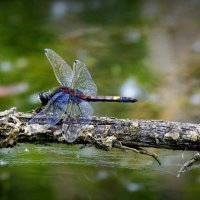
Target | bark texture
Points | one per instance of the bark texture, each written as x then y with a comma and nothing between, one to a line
104,132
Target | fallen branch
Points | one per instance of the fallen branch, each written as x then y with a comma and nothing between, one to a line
106,133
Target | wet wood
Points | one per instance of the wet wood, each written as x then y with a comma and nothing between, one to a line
104,132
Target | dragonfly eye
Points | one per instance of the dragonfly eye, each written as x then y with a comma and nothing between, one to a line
44,98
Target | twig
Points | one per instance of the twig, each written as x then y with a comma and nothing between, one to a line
188,164
118,144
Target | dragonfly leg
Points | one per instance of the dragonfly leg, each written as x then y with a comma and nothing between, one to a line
79,109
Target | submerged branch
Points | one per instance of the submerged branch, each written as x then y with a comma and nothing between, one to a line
104,132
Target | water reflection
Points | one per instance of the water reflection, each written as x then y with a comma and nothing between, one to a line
55,170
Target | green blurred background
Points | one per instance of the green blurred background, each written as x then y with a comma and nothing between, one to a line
146,49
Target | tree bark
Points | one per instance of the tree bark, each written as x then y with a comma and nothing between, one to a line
104,132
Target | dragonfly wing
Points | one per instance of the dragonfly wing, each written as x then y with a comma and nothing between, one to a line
53,111
85,108
82,79
77,114
62,70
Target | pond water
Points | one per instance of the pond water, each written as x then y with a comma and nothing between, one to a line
71,172
145,49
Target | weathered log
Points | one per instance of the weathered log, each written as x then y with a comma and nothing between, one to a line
104,132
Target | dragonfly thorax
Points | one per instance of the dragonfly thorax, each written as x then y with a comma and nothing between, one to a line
74,95
47,95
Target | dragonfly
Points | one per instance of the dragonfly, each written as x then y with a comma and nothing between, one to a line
71,101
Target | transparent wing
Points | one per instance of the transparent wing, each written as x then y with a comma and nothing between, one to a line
85,108
62,70
82,79
53,111
77,114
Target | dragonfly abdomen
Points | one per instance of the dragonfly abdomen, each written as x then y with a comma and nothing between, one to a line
112,99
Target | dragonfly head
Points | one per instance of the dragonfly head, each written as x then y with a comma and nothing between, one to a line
44,97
